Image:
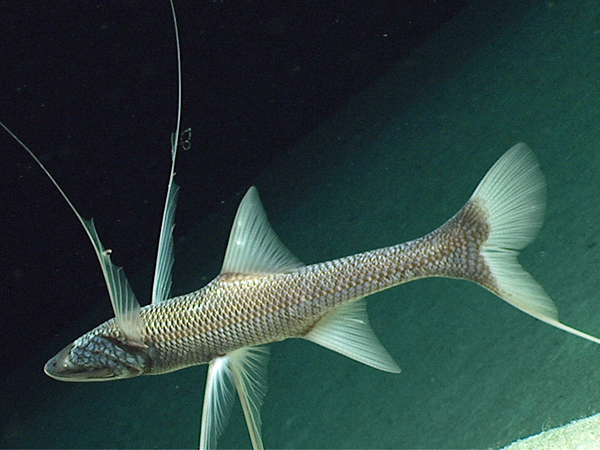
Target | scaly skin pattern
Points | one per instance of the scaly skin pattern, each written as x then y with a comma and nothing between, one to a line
236,310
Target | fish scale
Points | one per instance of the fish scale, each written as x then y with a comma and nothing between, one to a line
264,294
235,311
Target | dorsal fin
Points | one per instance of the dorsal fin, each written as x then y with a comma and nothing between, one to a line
253,246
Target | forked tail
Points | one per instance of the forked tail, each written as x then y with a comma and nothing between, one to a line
503,216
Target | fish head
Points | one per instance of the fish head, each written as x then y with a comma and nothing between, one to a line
97,356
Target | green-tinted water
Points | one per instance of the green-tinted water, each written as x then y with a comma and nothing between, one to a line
396,163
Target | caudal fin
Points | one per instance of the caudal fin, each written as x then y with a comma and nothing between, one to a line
509,205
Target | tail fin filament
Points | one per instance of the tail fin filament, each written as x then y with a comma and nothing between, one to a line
503,215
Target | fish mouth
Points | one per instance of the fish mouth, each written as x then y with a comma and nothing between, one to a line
62,368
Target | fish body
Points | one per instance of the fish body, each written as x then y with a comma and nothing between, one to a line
240,310
264,294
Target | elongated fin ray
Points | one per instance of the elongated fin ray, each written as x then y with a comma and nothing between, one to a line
161,287
244,368
253,246
249,366
512,196
346,330
124,303
218,398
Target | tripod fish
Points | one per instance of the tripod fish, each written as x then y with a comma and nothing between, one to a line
264,294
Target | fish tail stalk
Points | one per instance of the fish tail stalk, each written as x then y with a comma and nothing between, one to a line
483,239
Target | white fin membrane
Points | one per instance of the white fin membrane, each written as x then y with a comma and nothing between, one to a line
253,246
513,196
249,367
346,330
124,303
161,288
246,369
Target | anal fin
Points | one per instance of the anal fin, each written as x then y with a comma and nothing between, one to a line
346,330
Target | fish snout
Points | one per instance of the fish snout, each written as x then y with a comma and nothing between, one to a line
61,367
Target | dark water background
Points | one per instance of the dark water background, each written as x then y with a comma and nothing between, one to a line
390,153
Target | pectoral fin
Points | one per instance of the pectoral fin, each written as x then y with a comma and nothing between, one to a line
125,305
161,287
244,368
346,330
